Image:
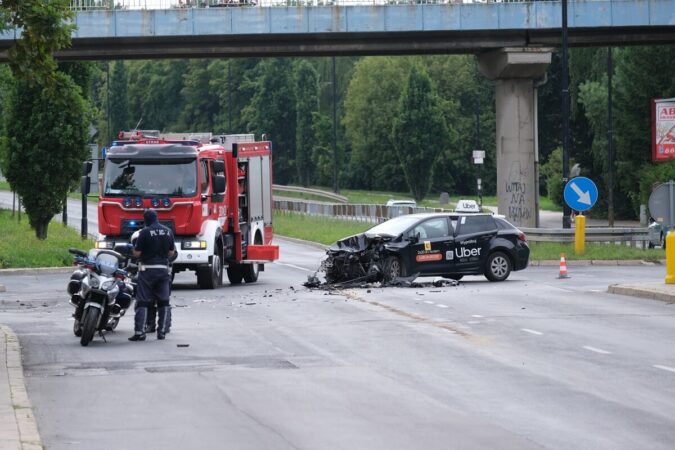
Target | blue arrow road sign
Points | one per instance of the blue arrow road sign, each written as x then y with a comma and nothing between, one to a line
580,193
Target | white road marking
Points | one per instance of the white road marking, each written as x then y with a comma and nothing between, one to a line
669,369
473,322
527,330
428,302
294,266
477,316
596,350
440,305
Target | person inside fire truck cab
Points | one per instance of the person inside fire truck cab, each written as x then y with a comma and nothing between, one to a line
125,180
154,248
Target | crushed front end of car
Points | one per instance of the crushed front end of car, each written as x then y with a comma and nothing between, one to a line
357,258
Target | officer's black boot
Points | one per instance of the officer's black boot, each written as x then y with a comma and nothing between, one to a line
139,324
164,314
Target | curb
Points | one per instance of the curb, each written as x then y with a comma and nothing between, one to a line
37,271
27,432
642,292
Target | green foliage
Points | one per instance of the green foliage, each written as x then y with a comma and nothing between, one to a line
272,111
306,103
46,130
370,108
641,74
44,29
324,230
119,100
653,174
20,248
419,132
551,174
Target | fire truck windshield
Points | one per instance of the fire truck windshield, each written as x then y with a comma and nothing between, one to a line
170,177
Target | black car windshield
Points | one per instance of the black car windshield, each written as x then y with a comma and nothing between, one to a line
172,177
393,227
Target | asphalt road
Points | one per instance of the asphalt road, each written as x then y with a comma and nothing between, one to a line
534,362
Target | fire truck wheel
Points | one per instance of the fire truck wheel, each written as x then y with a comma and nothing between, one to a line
211,277
251,272
234,274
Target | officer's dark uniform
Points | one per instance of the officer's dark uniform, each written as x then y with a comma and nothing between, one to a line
155,241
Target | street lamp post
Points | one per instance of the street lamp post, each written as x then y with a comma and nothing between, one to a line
565,115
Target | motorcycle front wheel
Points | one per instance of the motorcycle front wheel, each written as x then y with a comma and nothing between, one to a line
89,326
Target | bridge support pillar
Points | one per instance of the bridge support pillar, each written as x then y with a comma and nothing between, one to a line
516,71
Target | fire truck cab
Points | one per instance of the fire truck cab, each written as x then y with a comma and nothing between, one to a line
213,192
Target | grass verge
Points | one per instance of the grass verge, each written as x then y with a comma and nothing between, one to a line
20,248
327,230
323,230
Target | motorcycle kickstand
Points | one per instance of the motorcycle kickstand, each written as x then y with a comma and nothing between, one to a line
100,333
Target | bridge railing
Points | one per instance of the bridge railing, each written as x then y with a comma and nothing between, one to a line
83,5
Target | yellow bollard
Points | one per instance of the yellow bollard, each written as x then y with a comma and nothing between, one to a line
670,258
579,234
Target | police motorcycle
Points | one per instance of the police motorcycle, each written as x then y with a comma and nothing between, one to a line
101,291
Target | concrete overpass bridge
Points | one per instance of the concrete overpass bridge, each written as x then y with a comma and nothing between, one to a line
512,40
351,27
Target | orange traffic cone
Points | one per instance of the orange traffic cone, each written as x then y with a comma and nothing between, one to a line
563,267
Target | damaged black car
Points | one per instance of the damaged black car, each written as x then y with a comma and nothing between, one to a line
450,245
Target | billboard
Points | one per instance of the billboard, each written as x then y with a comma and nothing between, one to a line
663,129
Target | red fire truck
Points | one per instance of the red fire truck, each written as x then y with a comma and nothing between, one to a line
214,192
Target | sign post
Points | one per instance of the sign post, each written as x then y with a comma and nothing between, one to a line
478,157
580,194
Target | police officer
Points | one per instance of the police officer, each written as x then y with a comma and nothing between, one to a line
154,247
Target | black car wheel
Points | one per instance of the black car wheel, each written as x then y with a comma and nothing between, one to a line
498,267
393,268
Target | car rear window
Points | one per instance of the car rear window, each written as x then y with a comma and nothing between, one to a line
504,225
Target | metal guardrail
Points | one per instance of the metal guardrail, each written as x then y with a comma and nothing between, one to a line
360,213
331,195
107,5
634,237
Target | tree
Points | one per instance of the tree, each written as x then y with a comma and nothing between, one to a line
46,136
271,110
306,104
119,100
44,29
419,132
370,107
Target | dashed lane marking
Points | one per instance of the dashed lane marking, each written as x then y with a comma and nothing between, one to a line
669,369
428,302
527,330
477,316
596,350
440,305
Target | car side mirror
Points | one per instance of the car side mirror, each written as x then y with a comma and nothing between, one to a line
415,238
218,184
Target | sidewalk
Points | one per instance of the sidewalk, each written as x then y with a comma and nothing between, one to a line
18,428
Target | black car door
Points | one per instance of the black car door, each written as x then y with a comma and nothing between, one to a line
428,254
472,242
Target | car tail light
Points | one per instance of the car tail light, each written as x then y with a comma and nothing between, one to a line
521,237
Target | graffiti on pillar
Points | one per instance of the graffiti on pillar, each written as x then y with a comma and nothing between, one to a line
516,190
